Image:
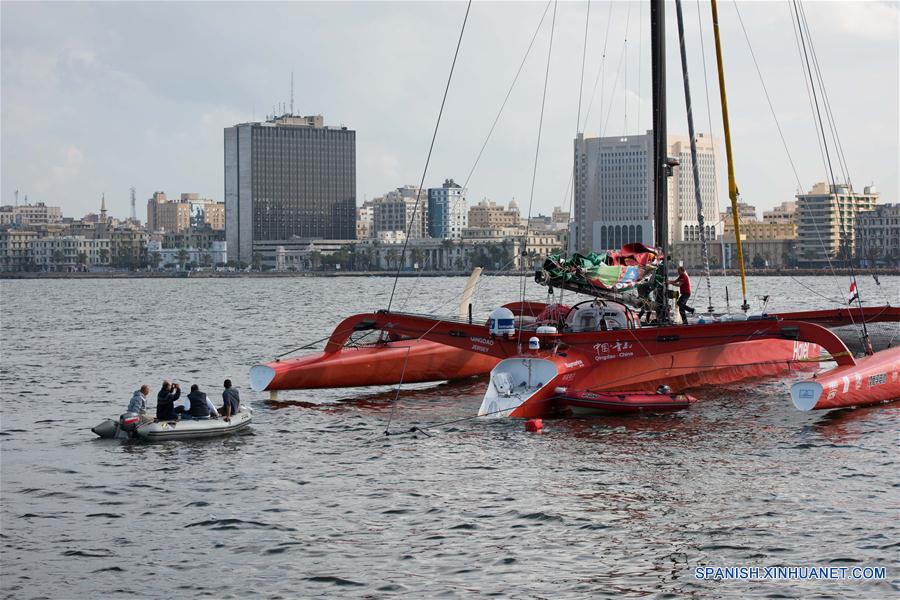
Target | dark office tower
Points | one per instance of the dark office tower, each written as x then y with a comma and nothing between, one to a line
289,178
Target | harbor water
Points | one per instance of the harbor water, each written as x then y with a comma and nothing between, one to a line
317,502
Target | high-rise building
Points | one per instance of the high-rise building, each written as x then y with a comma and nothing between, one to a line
614,190
447,211
288,178
398,211
826,222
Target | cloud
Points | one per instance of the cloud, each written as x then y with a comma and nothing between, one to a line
142,91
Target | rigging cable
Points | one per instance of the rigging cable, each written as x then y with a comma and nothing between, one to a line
428,159
537,150
695,168
565,250
839,149
832,183
768,98
712,141
508,93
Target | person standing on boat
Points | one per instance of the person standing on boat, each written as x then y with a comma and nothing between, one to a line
200,405
684,293
231,401
165,401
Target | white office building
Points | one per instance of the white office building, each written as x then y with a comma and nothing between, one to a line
614,190
448,212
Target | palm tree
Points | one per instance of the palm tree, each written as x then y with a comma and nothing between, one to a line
447,249
82,260
103,254
57,257
392,258
155,259
182,257
418,258
315,260
257,261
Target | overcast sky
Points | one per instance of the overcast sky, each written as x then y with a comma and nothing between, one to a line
101,97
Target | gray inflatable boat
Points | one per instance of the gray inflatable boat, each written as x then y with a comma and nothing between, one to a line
129,426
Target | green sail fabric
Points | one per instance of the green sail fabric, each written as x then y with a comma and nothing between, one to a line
593,271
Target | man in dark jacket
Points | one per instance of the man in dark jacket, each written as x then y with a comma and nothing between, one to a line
200,407
231,400
165,401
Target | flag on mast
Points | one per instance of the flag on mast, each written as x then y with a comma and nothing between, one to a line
853,293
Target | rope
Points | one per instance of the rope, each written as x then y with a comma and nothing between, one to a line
428,159
397,397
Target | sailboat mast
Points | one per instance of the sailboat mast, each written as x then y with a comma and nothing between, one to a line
660,144
732,185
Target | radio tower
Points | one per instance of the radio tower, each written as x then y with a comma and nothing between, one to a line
133,206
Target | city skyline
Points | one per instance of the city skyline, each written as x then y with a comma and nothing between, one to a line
90,106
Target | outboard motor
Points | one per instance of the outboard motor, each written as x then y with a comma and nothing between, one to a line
128,422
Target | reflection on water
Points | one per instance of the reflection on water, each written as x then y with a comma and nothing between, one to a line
316,500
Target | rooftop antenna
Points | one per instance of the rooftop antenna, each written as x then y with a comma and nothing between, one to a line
133,205
292,92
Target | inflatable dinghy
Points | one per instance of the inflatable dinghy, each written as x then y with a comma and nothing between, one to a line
129,426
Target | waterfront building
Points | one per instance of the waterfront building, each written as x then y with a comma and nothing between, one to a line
69,253
288,177
166,215
488,213
365,217
189,212
169,257
447,211
614,190
402,210
786,212
202,239
746,213
878,236
14,253
127,247
30,214
560,218
826,222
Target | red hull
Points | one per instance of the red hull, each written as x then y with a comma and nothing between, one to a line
872,380
712,365
585,402
410,361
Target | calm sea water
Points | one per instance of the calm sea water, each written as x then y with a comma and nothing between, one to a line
316,501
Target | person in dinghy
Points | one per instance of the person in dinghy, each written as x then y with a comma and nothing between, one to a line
138,403
199,405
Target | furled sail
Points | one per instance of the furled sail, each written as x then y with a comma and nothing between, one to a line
601,273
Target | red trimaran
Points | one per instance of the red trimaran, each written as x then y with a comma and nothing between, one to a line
600,356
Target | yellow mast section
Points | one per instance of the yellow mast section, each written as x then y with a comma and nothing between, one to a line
732,185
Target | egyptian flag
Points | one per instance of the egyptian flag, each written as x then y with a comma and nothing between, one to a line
853,293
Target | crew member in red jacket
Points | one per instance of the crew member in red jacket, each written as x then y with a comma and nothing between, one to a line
684,288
